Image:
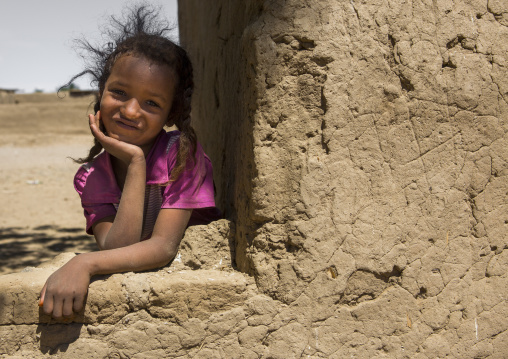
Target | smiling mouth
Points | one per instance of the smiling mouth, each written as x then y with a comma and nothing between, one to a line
125,125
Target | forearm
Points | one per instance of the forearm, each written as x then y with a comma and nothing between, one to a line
65,290
149,254
152,253
127,225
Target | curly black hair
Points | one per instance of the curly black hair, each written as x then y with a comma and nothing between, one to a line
141,32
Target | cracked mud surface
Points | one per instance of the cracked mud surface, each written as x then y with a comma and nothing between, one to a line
378,166
364,170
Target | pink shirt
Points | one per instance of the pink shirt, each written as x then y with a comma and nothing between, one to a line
100,194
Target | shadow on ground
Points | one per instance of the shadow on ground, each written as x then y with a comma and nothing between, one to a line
57,338
29,247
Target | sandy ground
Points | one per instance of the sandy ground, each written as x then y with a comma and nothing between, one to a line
40,215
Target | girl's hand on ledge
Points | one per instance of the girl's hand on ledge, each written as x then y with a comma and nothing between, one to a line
65,290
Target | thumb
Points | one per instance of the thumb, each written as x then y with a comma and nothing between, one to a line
94,123
42,295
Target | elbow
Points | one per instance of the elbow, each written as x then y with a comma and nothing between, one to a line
111,243
103,246
102,243
166,259
167,253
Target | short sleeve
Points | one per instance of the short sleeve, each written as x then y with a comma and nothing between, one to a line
96,212
93,211
194,188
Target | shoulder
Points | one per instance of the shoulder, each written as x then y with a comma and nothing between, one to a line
168,143
96,174
165,146
165,141
162,158
81,176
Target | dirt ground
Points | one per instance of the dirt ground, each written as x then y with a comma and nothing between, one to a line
41,214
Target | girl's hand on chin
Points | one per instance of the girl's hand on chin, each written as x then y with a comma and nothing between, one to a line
65,290
119,149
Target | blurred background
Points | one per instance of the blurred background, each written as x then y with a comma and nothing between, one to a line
36,39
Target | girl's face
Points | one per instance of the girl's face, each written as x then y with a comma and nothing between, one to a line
137,100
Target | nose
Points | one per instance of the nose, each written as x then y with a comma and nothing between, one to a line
130,109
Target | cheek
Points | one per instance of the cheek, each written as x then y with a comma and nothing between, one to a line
107,108
105,103
106,114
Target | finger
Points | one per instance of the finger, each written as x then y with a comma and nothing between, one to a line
67,307
78,303
41,296
98,121
100,124
92,122
47,306
95,129
57,307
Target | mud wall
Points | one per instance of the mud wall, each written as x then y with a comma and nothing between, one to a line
225,97
360,152
361,149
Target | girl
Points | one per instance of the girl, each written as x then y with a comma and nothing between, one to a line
147,186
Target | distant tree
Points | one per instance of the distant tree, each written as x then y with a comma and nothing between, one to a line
38,91
71,86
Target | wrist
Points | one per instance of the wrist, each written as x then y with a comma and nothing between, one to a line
86,263
138,159
136,170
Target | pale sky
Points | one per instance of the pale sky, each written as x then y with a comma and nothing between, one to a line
36,38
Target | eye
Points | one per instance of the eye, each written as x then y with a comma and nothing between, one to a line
118,92
152,103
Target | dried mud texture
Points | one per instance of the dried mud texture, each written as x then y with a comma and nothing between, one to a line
360,149
173,312
368,141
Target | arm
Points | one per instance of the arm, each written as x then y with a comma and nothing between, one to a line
125,228
152,253
65,290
